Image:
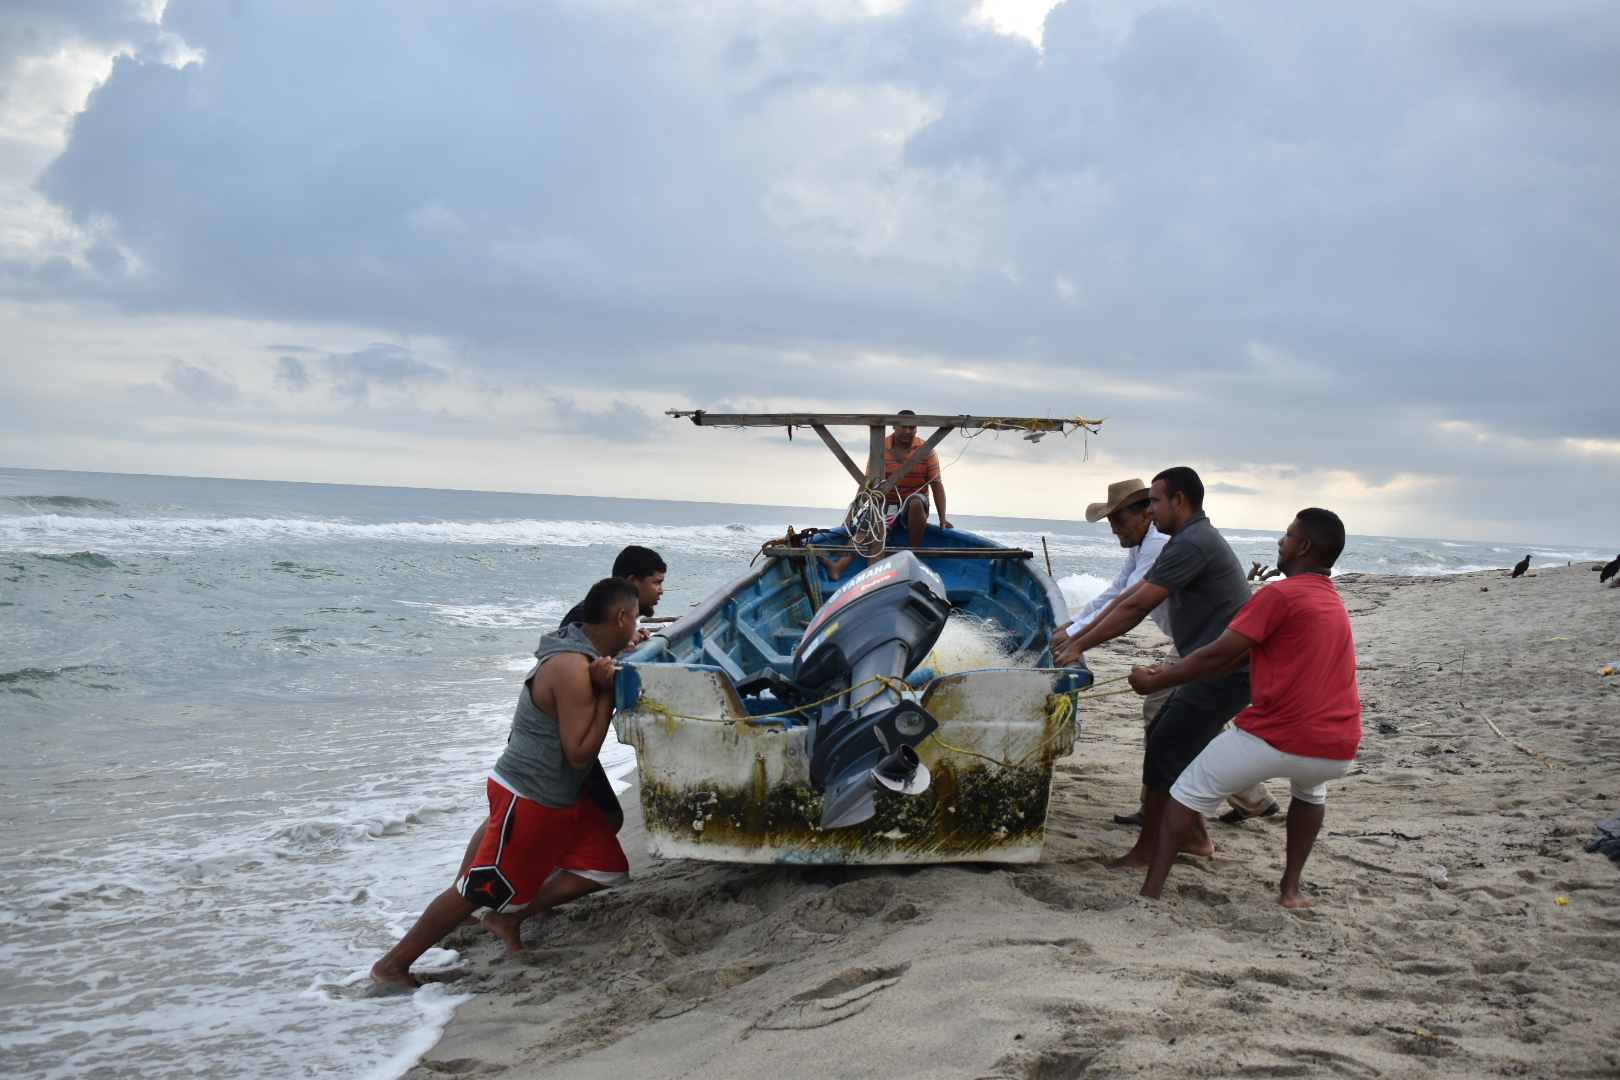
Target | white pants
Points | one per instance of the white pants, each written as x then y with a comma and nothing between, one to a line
1235,760
1253,800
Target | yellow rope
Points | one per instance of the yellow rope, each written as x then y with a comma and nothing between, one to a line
1062,708
887,682
974,753
1104,682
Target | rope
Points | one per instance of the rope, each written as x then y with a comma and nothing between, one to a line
866,518
1060,707
888,682
1033,430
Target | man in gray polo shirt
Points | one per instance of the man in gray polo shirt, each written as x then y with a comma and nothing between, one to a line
1204,585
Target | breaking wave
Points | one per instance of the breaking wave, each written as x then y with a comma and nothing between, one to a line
57,534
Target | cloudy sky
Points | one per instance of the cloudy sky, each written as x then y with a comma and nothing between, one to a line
1363,255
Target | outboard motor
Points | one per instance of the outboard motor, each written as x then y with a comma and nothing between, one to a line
883,621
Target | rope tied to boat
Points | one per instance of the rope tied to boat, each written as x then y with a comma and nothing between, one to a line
1060,707
888,682
1034,428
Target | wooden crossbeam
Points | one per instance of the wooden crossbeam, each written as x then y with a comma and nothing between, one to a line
921,553
867,420
840,453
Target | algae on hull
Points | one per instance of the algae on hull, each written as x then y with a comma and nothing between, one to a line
737,790
962,817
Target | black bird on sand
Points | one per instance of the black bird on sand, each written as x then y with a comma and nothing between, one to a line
1610,570
1523,565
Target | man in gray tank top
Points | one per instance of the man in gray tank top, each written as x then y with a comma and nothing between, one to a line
644,568
549,845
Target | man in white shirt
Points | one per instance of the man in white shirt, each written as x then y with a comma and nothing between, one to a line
1129,518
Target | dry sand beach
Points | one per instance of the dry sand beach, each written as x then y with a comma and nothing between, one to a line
1060,970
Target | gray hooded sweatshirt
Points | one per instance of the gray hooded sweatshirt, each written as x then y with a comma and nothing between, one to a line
534,764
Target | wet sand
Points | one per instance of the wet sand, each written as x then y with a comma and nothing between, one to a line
1059,970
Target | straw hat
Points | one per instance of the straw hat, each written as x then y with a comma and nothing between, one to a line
1121,494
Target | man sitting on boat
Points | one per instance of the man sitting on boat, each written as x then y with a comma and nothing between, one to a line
907,501
553,845
1128,510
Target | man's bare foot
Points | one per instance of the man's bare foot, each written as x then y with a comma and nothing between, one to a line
1134,859
1295,898
1198,845
384,971
508,926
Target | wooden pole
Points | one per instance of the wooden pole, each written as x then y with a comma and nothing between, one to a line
916,455
839,452
1048,555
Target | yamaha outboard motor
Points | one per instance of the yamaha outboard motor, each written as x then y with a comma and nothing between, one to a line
883,622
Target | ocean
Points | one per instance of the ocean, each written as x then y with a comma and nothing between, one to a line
247,725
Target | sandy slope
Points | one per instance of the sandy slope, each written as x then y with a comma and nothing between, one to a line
1059,970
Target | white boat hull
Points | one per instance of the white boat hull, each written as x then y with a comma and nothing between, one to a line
719,785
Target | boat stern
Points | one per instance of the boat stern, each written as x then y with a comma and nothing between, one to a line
719,784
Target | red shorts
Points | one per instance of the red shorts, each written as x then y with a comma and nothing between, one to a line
527,842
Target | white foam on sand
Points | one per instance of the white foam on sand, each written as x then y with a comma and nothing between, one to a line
243,948
435,1006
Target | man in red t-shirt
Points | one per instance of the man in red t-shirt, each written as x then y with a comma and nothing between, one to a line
1305,719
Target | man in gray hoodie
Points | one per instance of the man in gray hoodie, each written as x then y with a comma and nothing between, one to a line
551,844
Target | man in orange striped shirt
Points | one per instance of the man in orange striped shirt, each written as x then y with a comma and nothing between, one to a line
908,500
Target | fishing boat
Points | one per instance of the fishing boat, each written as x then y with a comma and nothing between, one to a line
795,718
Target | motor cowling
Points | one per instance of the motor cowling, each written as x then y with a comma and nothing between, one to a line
882,622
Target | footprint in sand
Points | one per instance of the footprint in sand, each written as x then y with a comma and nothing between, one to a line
837,999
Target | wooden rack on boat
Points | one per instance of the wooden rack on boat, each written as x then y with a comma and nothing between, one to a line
1033,427
921,552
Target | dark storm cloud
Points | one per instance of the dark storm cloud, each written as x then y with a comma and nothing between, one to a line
620,421
291,374
354,374
1319,229
198,384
